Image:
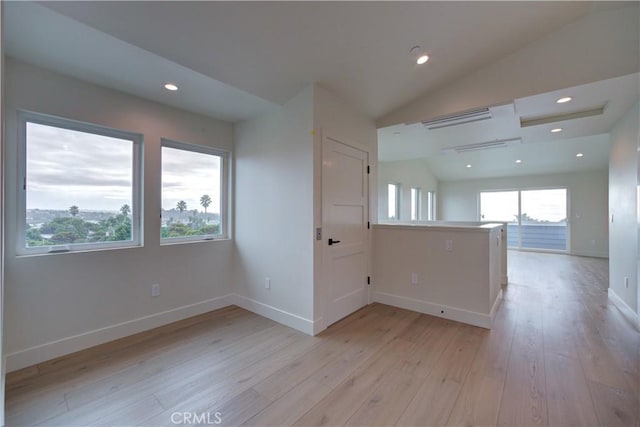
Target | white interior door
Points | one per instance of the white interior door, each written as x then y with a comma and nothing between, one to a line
345,201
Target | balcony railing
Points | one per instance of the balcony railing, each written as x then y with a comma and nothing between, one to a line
538,236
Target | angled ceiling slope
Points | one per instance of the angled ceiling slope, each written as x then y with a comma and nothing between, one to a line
40,36
601,45
357,49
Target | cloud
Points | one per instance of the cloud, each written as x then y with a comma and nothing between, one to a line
66,167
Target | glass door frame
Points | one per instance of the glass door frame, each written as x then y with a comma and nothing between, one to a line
519,190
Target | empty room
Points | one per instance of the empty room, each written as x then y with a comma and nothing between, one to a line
320,213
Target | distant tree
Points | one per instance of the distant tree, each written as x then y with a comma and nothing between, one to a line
62,225
179,229
181,206
123,232
205,201
64,237
125,210
33,236
209,229
74,210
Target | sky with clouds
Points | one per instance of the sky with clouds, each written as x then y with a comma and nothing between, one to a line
94,172
545,205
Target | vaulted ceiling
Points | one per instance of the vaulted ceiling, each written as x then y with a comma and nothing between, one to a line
357,49
234,60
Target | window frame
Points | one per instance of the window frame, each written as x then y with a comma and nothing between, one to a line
225,171
415,194
518,223
398,204
137,141
431,205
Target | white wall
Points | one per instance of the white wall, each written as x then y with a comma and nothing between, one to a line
274,211
60,303
584,48
463,282
409,173
278,185
334,117
458,201
623,206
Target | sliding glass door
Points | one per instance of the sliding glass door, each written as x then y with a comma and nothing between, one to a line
543,219
537,218
502,206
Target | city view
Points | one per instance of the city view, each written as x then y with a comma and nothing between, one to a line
48,227
85,195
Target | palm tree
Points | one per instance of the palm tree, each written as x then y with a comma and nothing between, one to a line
125,210
74,210
205,201
182,206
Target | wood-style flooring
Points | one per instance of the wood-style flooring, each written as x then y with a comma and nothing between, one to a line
559,354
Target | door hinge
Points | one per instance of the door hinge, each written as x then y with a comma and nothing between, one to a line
368,169
368,280
24,183
368,225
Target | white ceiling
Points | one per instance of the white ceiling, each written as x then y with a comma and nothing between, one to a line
540,151
357,49
42,37
233,60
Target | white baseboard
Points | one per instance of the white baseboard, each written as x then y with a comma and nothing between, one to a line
624,307
319,326
496,304
592,254
51,350
289,319
451,313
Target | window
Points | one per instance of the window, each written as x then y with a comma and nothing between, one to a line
431,206
194,193
81,186
393,201
537,219
416,204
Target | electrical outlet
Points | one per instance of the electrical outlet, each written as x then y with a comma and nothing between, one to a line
448,245
155,290
414,278
267,283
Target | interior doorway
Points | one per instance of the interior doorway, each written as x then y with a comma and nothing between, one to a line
345,201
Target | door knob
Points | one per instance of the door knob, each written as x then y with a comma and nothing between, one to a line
333,242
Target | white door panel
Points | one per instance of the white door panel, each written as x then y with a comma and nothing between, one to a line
345,213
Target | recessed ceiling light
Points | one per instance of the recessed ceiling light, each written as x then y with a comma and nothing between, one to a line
518,161
422,59
579,155
419,55
468,166
564,99
170,86
556,130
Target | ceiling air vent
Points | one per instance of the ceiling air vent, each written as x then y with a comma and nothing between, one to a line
458,119
498,143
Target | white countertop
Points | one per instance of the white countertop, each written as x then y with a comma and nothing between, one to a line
481,227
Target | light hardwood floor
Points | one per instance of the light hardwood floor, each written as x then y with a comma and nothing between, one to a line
559,354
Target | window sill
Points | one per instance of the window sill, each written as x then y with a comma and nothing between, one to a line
27,254
180,241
